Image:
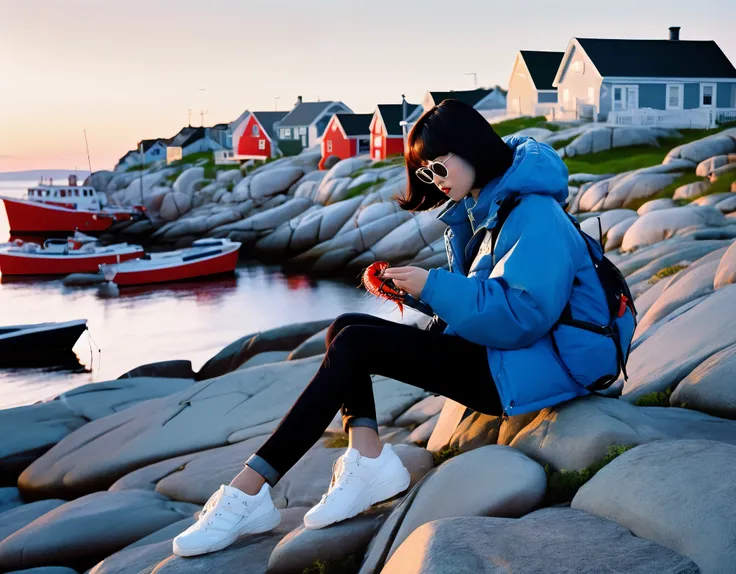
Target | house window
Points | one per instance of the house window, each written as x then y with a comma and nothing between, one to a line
707,95
578,67
255,131
157,151
329,146
334,127
261,144
302,131
675,96
566,95
285,133
591,95
378,141
377,154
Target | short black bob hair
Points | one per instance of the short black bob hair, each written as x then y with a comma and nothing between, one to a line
451,127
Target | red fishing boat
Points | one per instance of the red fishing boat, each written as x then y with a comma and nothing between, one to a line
62,256
205,257
49,208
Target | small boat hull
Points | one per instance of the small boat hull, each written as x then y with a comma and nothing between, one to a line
33,217
40,345
176,266
18,263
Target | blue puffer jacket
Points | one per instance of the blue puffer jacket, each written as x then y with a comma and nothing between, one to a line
512,304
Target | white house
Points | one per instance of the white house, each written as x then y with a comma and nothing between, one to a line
531,92
681,83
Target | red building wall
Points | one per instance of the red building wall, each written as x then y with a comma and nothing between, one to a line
249,144
342,147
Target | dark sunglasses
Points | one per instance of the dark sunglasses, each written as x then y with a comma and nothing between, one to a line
427,173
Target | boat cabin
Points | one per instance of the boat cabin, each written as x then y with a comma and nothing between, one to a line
71,196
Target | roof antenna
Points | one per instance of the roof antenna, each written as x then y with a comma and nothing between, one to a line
89,161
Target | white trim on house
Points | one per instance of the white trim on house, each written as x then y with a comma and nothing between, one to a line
714,87
681,96
547,91
566,57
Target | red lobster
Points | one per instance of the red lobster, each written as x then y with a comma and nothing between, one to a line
377,285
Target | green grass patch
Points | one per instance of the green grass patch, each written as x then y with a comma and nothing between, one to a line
563,485
721,185
361,188
509,127
563,143
666,192
622,159
445,454
137,167
348,565
666,272
390,162
337,441
661,399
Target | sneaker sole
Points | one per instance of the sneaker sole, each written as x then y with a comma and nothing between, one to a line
264,524
380,492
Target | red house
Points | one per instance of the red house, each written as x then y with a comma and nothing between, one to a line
386,133
256,136
346,135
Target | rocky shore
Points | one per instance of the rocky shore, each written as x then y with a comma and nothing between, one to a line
103,477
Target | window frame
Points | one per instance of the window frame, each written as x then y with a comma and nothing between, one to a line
681,99
704,85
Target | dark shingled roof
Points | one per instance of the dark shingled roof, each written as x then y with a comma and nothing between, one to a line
392,114
658,58
355,124
268,119
195,135
470,97
542,67
305,113
148,144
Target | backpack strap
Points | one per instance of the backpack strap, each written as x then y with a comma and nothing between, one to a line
504,210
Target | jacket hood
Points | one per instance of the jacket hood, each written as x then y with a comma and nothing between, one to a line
536,168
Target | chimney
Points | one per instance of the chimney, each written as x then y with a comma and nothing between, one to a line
298,100
674,33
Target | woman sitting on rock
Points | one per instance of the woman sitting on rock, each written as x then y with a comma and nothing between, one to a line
490,346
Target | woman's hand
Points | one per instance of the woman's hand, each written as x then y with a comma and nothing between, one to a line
410,279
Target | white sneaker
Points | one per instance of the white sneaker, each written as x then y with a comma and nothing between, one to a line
357,483
228,514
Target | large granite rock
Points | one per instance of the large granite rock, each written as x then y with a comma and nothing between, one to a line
314,345
46,570
421,411
43,425
186,180
97,400
248,555
255,226
284,338
576,434
174,369
679,253
231,408
682,343
82,532
694,282
301,547
607,220
552,540
20,517
680,494
710,387
726,272
616,233
657,225
174,205
702,149
9,498
488,481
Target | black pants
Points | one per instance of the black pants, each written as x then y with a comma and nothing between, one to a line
361,345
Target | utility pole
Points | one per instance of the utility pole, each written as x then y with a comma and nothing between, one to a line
189,123
141,170
403,119
475,78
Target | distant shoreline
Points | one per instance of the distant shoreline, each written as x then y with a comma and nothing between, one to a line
38,173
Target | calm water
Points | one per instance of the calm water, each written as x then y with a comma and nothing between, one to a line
177,321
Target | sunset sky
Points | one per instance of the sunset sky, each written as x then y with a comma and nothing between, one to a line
127,70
